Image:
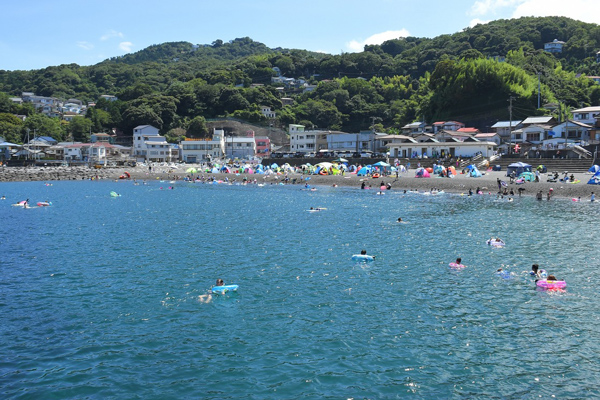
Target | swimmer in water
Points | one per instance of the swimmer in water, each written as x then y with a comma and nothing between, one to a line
537,272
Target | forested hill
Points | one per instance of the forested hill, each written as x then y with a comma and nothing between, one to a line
185,51
466,76
498,38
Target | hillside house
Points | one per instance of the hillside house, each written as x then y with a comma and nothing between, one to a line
555,46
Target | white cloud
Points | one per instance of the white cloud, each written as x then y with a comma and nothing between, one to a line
582,10
483,7
377,38
111,34
126,46
85,45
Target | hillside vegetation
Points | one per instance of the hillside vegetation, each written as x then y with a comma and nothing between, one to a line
466,76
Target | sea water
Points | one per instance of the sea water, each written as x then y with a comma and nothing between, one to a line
104,297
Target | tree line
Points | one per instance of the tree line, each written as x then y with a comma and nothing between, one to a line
467,76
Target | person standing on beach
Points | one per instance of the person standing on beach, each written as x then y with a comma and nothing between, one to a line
593,197
499,184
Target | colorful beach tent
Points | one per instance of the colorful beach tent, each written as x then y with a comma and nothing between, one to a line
527,176
364,170
518,168
422,173
594,169
474,173
595,180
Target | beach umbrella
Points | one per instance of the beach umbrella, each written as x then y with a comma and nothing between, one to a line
340,160
191,170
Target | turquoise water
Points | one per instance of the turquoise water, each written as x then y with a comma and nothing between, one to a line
99,296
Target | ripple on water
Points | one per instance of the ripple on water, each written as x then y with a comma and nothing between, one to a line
101,296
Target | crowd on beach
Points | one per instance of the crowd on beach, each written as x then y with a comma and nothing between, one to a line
402,178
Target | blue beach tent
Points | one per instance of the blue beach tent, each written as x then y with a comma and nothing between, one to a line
475,172
594,169
595,180
518,168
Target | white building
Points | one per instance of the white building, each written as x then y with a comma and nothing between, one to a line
148,145
200,150
243,148
267,112
306,141
569,132
504,128
586,115
447,126
355,142
407,147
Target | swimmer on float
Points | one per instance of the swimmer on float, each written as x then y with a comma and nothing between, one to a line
221,288
550,283
457,264
363,256
497,242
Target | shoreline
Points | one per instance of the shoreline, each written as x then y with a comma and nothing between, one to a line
405,181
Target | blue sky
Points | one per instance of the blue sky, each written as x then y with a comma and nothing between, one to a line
36,34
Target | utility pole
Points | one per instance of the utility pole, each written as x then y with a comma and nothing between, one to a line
539,90
510,100
373,132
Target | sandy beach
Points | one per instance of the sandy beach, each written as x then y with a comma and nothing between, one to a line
405,181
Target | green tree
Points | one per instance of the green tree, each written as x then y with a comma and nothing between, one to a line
41,125
197,128
80,129
140,115
10,128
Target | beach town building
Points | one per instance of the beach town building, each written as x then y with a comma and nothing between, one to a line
148,145
447,135
239,147
504,128
6,149
586,115
407,147
422,137
306,141
569,132
263,146
202,150
447,126
416,128
99,152
542,120
102,138
354,142
489,137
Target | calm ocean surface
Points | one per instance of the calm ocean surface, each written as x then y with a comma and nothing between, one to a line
99,296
